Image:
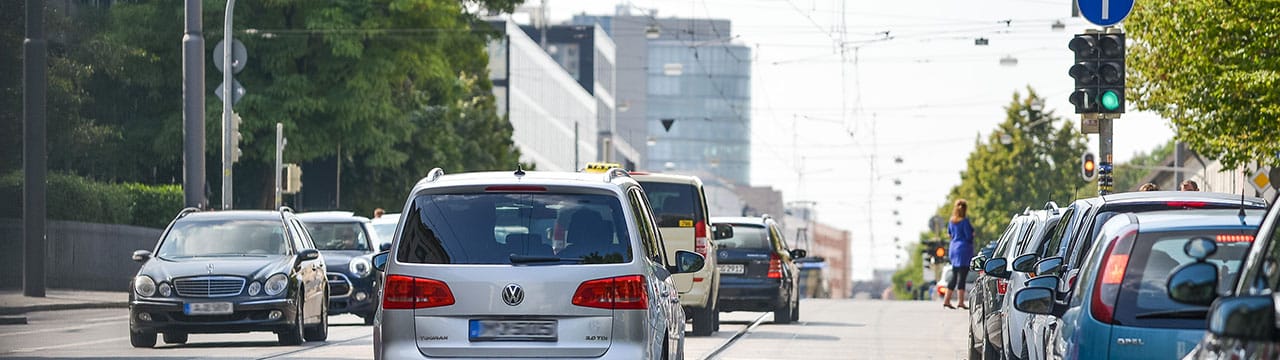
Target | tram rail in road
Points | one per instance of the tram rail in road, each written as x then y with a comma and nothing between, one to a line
728,343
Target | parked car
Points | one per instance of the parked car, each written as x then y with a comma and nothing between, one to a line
1120,307
987,295
941,285
680,205
348,243
1082,221
758,270
581,272
1017,323
229,272
385,226
1242,318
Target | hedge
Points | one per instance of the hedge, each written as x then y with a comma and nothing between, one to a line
72,197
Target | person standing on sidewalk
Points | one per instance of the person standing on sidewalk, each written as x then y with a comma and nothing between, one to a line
961,252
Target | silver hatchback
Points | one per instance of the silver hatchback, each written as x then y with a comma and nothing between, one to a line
529,264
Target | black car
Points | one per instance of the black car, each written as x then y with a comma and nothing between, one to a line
230,272
757,269
1074,236
348,243
987,296
1242,324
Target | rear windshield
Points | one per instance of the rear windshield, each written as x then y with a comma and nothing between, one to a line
515,228
1111,210
1144,300
192,238
673,203
339,236
747,237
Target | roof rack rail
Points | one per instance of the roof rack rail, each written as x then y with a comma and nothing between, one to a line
434,175
614,173
286,208
1052,207
186,211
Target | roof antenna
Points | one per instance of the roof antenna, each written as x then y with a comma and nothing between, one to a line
1242,189
519,170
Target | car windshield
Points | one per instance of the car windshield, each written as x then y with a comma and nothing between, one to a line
515,228
1144,299
673,203
223,238
746,237
339,236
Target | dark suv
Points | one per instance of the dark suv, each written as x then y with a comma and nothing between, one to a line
757,269
228,272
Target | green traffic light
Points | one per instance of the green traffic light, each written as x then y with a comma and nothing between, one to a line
1110,100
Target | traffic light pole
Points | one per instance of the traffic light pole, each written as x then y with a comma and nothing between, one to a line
1105,137
227,100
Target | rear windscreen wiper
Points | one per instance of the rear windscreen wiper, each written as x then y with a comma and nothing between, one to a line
527,259
1192,313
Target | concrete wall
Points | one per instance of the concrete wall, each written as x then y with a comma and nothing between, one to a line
81,255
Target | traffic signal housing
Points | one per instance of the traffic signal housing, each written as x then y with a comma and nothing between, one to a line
1098,71
1088,166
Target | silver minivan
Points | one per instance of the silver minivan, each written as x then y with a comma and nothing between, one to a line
529,264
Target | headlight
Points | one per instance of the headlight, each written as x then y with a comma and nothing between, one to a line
165,289
143,285
255,288
360,267
276,284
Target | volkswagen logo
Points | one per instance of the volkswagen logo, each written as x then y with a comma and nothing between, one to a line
512,294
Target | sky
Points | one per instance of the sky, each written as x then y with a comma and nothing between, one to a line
828,126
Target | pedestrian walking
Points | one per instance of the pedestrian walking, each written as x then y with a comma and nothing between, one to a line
961,252
1190,186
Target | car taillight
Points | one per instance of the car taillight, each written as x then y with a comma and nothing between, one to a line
407,292
1106,290
775,266
1002,286
700,238
620,293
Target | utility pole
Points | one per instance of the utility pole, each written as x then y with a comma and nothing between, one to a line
193,176
35,80
280,144
228,99
1105,185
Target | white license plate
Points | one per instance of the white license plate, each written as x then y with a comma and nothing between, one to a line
208,308
731,268
513,330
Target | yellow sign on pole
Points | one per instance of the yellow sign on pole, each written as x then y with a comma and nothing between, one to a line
1260,180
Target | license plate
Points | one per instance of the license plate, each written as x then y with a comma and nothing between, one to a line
513,330
730,268
208,308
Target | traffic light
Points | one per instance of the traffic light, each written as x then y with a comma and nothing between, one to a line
1088,166
235,137
293,179
940,252
1098,71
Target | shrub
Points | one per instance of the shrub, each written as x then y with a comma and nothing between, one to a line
71,197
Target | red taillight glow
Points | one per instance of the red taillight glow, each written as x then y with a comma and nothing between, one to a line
515,188
407,292
698,279
775,266
700,238
638,173
1229,238
620,293
1002,286
1106,291
1185,204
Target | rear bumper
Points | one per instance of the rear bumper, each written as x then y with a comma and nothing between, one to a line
750,294
167,316
396,336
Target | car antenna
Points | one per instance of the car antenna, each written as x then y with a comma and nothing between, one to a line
1241,214
519,170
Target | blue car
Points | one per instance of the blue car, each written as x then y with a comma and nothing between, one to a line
348,244
1119,307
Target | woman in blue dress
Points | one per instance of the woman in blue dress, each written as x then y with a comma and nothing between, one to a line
961,252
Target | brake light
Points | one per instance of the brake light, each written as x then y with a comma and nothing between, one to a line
1002,286
619,293
1230,238
775,266
407,292
515,188
638,172
1106,290
700,238
1186,204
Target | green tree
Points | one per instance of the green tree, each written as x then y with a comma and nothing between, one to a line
1130,173
1211,67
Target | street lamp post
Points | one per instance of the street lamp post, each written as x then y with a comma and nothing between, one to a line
227,100
35,80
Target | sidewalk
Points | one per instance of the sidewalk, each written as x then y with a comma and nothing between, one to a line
12,302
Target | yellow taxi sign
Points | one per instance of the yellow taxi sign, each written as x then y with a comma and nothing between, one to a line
686,223
600,167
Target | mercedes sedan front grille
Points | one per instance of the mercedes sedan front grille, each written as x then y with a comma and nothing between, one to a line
209,286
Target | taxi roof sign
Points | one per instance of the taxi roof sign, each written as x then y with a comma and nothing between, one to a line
600,167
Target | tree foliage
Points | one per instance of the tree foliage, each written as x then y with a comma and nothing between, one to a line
1212,68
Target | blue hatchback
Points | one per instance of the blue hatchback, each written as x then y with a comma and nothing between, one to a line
1119,308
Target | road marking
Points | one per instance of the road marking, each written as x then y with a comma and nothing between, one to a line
733,339
51,347
93,323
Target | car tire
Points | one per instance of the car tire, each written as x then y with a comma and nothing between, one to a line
703,320
318,332
666,347
175,338
293,335
368,318
795,311
715,322
142,339
782,315
973,347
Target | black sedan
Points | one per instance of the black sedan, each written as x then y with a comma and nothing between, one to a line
347,242
757,269
229,272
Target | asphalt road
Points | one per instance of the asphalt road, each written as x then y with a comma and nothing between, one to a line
828,329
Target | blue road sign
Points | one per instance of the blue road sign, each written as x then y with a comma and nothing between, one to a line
1105,12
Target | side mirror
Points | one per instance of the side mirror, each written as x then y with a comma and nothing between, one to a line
722,231
1044,281
1244,318
687,262
1049,266
380,260
386,246
141,255
1194,283
978,263
1034,300
798,253
306,255
998,267
1025,263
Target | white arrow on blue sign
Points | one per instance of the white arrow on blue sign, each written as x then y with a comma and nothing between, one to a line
1105,12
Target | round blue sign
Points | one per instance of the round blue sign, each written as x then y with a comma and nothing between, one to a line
1105,12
